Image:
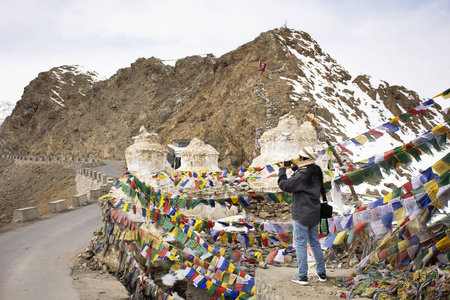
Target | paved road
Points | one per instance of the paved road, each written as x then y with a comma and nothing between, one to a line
111,168
34,257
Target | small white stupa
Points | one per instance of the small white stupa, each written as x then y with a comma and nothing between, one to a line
280,144
199,156
146,155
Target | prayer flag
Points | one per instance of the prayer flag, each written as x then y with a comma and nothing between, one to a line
262,66
445,94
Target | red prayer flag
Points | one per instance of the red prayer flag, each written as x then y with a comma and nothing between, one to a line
375,133
262,66
345,179
359,227
388,154
343,149
407,187
271,257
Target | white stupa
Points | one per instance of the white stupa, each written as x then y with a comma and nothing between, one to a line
146,155
199,156
280,144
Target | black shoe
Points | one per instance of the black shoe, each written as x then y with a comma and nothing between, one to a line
300,280
322,277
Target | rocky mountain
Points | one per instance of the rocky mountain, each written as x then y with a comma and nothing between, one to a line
66,112
6,108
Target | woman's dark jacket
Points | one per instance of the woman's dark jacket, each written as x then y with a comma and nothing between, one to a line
306,198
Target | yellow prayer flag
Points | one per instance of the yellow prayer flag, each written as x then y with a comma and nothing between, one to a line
413,226
208,284
222,251
440,129
259,256
340,238
156,243
403,245
235,199
175,231
232,278
280,198
394,120
176,266
198,225
374,258
231,268
361,139
399,215
387,198
201,184
444,95
161,176
161,203
433,191
222,276
443,244
440,167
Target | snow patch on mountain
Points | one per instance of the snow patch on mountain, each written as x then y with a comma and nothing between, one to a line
352,108
6,108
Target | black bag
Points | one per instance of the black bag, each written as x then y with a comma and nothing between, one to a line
326,210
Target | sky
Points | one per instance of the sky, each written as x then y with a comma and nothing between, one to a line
402,42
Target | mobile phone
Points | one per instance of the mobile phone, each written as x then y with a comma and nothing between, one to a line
287,163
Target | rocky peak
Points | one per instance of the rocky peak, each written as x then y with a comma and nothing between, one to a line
205,97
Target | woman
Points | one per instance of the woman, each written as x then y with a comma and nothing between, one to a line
306,184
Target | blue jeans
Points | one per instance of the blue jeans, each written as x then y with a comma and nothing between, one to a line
302,236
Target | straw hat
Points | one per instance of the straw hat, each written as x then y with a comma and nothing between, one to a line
308,152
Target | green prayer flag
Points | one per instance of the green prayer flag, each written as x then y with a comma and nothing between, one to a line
424,148
191,243
413,152
181,236
443,140
397,193
356,177
444,178
212,289
405,116
404,158
435,144
385,165
369,137
419,190
168,226
446,159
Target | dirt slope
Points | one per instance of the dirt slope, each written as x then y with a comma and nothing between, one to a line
26,184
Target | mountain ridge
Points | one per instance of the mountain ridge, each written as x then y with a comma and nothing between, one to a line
207,97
